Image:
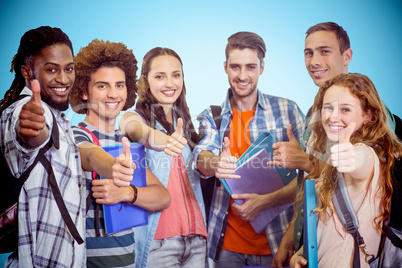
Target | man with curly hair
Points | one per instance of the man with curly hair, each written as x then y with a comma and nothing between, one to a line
106,85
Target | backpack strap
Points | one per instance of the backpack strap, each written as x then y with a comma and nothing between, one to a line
55,188
95,176
95,141
348,217
216,115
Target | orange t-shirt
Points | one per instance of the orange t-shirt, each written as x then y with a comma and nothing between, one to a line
240,236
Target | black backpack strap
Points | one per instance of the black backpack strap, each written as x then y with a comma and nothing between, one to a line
60,202
216,114
55,188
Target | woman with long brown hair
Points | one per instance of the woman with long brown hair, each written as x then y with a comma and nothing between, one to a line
176,236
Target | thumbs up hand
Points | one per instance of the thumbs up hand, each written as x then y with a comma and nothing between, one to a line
176,142
123,167
227,163
289,154
343,155
32,119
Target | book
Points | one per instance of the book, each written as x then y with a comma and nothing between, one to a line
122,216
310,225
257,177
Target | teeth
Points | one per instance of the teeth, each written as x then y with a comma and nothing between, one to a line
169,92
60,89
318,72
335,127
111,103
243,84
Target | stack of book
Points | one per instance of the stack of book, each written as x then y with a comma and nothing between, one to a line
257,177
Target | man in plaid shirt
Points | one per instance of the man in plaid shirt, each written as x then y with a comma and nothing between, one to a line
246,113
44,70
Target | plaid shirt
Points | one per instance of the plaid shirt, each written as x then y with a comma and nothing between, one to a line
272,114
44,240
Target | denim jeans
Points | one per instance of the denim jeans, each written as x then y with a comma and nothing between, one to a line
229,259
178,251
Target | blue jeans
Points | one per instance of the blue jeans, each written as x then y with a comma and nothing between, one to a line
229,259
178,251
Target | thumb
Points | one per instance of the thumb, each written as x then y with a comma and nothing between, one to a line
36,92
180,126
347,133
226,146
126,148
289,131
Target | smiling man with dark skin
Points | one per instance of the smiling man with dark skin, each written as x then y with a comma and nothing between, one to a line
44,70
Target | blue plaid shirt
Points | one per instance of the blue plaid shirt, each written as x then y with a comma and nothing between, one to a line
43,239
272,114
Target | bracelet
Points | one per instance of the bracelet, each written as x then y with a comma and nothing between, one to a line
135,194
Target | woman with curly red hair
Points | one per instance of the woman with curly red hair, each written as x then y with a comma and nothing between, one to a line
350,126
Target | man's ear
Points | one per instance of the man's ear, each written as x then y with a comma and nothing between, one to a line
26,72
225,66
262,66
347,56
85,96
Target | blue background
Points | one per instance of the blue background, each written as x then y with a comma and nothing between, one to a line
198,31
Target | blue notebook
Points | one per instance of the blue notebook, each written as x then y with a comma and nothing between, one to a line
257,177
310,225
121,216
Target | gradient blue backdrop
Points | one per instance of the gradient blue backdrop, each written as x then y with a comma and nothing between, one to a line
198,31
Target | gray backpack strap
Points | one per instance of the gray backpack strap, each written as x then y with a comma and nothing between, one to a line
348,217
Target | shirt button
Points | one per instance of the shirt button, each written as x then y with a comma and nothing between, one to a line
193,184
302,210
227,212
298,234
222,234
76,156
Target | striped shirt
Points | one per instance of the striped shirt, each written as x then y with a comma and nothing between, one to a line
113,250
43,239
273,114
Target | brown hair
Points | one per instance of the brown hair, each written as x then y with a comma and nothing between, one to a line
242,40
375,133
340,33
100,54
148,105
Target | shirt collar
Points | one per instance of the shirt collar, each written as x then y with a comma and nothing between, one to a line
227,107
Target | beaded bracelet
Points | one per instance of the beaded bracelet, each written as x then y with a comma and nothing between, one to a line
135,195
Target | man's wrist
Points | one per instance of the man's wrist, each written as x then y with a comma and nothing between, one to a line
134,196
